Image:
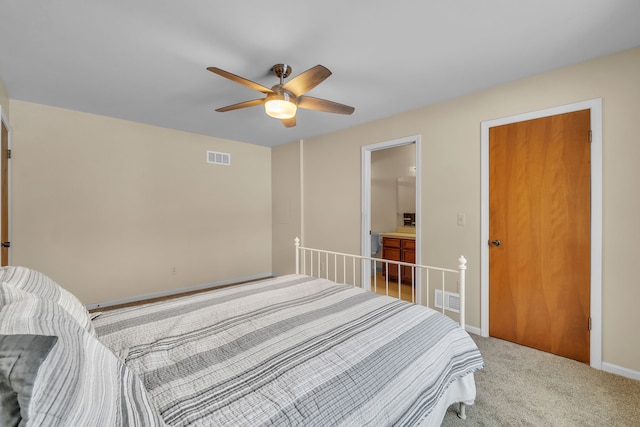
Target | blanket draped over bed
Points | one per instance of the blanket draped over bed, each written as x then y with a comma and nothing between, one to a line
294,350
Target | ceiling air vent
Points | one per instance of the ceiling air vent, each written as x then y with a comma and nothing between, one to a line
218,158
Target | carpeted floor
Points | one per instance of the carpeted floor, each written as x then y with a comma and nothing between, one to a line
520,386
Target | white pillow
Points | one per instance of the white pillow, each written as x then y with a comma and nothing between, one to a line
79,381
35,282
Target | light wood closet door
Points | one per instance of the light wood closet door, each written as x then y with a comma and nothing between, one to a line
4,163
539,211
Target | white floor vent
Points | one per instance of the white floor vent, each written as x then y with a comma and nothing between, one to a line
218,158
451,301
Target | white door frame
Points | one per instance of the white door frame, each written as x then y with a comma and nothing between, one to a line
365,243
595,105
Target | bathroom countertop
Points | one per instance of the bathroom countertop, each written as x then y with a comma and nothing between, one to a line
399,235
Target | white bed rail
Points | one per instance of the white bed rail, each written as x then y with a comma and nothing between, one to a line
344,268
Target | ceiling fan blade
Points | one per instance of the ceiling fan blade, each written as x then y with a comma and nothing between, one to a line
289,123
307,80
241,80
239,105
311,103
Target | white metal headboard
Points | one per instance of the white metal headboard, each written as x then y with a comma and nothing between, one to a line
343,268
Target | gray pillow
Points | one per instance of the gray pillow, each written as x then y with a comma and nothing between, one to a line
20,360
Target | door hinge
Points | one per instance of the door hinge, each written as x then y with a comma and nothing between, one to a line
590,136
589,323
5,244
8,154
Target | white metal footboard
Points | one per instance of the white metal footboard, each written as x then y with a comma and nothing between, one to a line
344,268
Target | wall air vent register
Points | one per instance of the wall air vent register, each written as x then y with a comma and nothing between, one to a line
218,158
451,300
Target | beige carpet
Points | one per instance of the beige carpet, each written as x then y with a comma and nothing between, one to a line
520,386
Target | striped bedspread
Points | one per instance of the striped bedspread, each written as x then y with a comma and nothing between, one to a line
293,350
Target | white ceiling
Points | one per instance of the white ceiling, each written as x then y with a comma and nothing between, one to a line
146,60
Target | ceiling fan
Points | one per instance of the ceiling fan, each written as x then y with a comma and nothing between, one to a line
283,99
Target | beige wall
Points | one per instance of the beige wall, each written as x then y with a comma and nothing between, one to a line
450,165
285,181
108,207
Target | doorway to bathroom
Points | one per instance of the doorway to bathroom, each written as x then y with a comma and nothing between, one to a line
390,207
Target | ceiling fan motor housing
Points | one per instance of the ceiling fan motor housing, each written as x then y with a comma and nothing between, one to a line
282,71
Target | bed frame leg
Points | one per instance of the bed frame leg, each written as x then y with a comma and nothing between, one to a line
462,412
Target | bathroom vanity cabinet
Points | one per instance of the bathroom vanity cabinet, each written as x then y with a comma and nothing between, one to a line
399,249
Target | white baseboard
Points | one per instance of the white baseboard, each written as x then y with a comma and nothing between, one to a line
472,330
619,370
177,291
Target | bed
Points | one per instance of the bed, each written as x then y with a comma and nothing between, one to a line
291,350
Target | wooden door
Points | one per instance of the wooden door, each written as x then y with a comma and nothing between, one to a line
4,168
539,211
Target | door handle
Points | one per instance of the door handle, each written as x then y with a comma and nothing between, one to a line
495,242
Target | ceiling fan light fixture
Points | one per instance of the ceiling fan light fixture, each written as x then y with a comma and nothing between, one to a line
279,106
282,100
